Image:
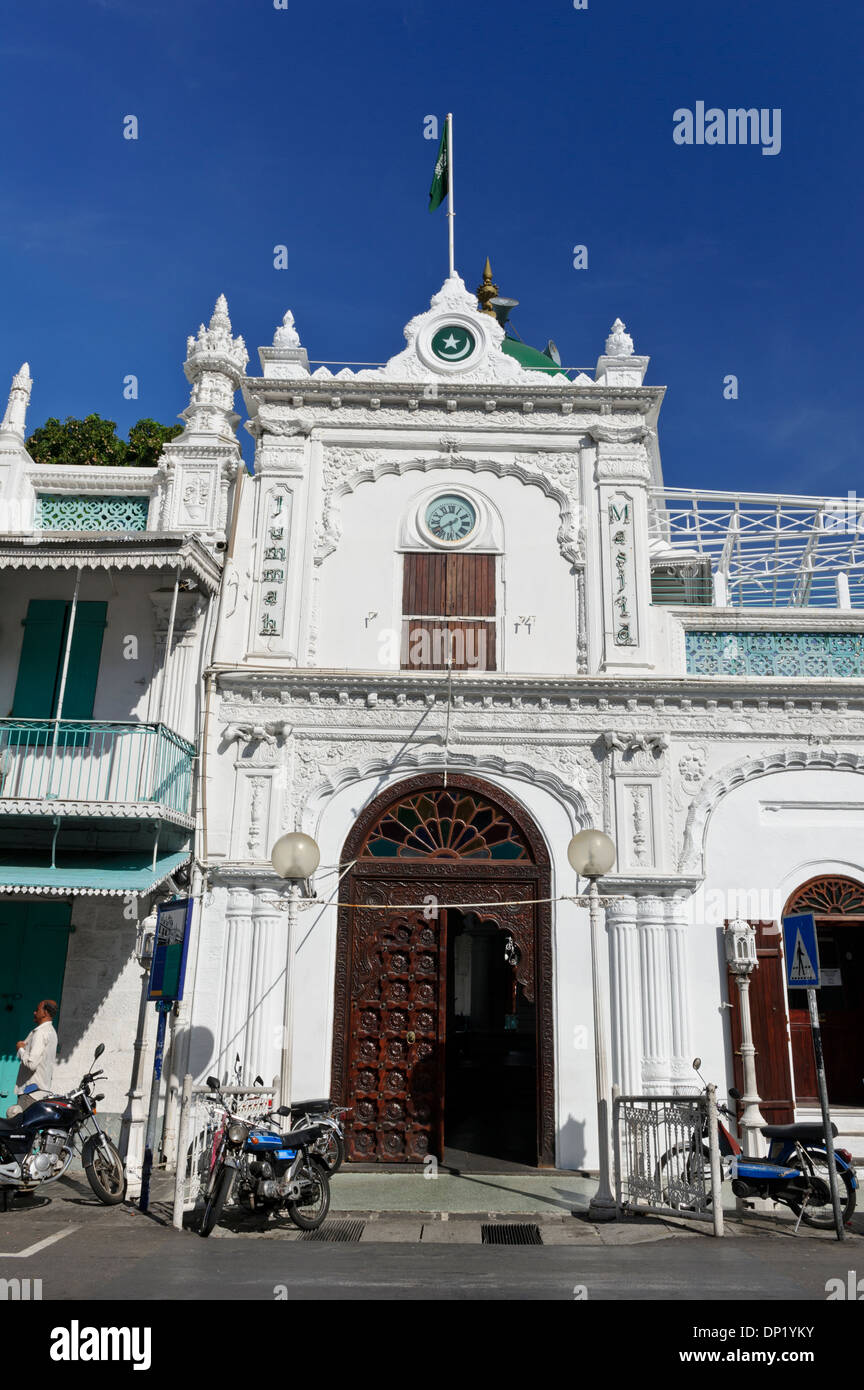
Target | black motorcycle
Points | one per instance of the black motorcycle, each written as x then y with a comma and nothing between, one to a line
37,1146
270,1170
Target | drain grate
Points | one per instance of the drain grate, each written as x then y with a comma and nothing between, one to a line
503,1233
346,1232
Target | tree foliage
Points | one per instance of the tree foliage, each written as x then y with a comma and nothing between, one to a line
93,440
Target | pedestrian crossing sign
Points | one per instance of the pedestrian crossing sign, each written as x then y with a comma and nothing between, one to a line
802,951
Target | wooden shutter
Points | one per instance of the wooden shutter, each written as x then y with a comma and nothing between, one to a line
459,589
84,659
768,1023
41,664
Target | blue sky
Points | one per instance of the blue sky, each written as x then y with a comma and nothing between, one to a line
304,126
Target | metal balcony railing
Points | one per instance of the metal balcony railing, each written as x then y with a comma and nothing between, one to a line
95,761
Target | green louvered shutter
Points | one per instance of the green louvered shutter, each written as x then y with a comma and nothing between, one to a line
83,661
41,664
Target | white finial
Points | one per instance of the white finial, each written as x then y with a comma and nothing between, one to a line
286,336
219,317
15,419
619,343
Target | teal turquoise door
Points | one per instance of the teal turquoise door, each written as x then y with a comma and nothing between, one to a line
33,941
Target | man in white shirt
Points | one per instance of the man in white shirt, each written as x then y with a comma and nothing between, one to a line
37,1055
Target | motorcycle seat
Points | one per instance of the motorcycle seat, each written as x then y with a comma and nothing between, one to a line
301,1136
312,1105
808,1134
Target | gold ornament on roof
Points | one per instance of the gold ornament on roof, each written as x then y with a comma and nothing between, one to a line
487,291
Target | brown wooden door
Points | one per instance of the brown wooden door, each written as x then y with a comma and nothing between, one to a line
397,1043
841,1009
768,1023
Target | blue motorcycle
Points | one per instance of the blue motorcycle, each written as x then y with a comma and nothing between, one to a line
269,1170
795,1171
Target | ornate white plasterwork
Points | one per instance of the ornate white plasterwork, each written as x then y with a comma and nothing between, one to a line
415,362
775,760
555,473
369,762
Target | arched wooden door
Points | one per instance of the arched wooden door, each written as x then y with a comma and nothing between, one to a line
837,903
421,850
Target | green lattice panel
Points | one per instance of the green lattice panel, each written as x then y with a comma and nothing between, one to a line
91,513
775,653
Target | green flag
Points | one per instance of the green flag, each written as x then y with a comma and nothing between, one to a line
441,178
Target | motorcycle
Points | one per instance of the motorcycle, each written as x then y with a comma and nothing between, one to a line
271,1170
795,1171
37,1146
331,1145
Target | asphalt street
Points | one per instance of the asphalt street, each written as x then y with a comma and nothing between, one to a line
81,1250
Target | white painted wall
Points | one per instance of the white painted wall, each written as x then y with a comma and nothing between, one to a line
765,838
364,574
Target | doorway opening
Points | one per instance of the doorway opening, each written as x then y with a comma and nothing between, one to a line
491,1049
838,907
443,1034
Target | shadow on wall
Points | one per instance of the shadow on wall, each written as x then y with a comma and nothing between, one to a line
201,1044
100,967
571,1144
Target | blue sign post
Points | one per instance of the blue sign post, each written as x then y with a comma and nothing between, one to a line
167,977
801,948
802,951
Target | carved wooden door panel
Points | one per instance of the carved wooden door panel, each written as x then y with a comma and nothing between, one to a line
768,1025
396,1032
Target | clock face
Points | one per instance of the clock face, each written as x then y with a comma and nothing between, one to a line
453,343
450,518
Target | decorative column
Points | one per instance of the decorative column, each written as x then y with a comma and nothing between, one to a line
624,986
740,940
266,987
235,993
676,938
654,973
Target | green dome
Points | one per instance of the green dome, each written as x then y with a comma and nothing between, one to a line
531,358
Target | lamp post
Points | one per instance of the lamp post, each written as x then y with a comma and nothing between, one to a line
742,959
592,854
295,857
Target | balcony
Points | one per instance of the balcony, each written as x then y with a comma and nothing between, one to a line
94,768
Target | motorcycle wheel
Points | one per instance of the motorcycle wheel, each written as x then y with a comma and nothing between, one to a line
216,1201
309,1214
822,1215
332,1151
105,1171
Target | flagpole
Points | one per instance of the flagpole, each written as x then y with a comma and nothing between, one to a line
450,211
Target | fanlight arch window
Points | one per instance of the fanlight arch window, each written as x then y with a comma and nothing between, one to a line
832,896
446,823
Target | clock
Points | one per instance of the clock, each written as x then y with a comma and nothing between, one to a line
450,518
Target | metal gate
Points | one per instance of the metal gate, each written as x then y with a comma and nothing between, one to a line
667,1155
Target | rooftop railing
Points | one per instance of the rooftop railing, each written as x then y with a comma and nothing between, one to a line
95,761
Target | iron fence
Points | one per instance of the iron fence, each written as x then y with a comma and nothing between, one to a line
198,1127
667,1155
94,761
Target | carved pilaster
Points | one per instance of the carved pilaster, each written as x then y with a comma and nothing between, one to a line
235,986
654,975
625,991
679,1005
266,987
